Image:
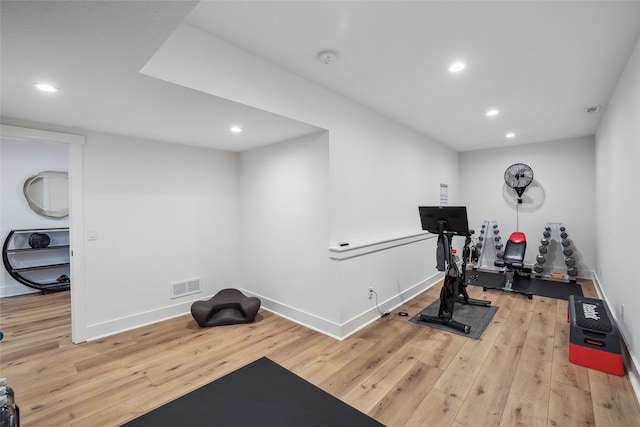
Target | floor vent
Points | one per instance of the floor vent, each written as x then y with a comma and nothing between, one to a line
185,287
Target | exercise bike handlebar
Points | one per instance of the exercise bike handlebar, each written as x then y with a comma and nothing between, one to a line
468,234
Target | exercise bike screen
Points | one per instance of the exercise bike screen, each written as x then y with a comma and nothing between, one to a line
454,217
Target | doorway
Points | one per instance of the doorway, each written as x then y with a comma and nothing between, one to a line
74,145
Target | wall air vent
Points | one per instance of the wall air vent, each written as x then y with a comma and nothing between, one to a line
185,287
590,110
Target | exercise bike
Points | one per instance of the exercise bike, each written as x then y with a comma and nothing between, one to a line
447,222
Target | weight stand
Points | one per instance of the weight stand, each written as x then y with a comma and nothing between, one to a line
489,236
555,232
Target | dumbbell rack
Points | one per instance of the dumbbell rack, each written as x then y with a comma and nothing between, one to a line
555,231
489,236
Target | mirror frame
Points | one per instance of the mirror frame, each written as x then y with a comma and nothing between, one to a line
37,208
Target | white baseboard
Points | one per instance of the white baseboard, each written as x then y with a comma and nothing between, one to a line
15,289
298,316
335,330
355,324
630,359
348,328
103,329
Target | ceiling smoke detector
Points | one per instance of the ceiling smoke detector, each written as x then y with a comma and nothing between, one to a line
590,110
327,56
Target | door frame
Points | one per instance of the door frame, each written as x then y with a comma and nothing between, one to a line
75,145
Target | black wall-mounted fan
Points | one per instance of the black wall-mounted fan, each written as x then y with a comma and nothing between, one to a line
518,176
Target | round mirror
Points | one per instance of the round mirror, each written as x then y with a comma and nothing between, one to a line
48,193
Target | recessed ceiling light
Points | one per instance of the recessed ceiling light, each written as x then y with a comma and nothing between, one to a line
46,87
235,129
510,135
456,67
492,112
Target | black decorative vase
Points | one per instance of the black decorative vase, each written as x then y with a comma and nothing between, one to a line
39,240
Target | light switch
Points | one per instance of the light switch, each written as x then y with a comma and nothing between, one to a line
92,234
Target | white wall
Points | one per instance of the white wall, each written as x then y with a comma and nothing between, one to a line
562,191
284,193
618,205
380,174
162,213
380,171
127,276
19,160
396,274
181,208
375,181
285,235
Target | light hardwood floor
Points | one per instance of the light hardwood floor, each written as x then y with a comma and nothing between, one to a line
399,373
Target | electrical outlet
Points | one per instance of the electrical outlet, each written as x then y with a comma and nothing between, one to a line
370,293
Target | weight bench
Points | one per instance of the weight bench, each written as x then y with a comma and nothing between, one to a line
512,261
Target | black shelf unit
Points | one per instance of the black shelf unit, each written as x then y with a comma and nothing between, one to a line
37,267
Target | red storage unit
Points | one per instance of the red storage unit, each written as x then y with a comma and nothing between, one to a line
594,340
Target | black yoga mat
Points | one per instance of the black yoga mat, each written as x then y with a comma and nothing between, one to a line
478,317
261,393
540,287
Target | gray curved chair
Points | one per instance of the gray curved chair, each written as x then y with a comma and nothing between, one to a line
227,307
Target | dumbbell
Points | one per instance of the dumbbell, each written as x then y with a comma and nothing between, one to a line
541,259
499,255
542,249
544,242
538,268
566,242
567,252
546,234
474,254
572,271
570,261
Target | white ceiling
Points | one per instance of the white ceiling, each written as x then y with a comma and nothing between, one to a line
94,51
539,63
